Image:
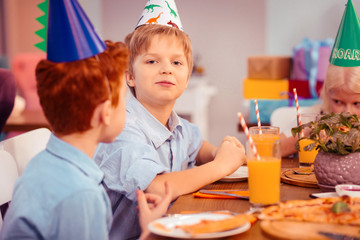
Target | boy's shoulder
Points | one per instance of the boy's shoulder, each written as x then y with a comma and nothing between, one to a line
55,191
57,177
60,171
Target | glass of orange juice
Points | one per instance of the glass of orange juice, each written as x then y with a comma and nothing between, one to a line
307,158
264,135
264,173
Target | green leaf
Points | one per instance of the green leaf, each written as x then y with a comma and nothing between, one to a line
296,130
297,146
310,147
333,133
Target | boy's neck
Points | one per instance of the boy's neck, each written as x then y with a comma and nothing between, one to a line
161,113
82,141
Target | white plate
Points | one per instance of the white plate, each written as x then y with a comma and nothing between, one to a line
348,189
324,195
181,219
239,175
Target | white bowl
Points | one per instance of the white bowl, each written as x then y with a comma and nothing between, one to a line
348,189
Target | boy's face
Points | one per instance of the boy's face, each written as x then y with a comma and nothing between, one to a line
342,100
160,75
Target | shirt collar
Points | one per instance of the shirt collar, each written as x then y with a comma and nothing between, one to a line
154,130
75,157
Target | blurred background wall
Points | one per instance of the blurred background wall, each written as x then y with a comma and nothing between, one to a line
223,33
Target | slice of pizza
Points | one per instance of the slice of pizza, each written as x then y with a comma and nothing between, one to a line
210,226
339,210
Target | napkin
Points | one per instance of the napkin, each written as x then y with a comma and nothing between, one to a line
237,192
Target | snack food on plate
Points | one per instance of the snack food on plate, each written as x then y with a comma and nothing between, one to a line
209,226
339,210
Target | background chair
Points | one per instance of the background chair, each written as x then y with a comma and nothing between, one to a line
8,176
286,117
25,146
7,95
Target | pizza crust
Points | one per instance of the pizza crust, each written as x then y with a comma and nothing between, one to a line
315,210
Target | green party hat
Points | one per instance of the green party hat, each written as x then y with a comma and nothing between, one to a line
346,50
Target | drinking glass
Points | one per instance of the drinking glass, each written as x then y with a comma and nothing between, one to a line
307,158
264,173
267,134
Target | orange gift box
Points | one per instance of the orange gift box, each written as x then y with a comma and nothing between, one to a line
265,89
269,67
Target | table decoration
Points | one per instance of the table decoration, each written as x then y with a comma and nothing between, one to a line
297,177
337,137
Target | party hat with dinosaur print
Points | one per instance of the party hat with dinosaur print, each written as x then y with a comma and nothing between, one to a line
70,35
346,50
162,12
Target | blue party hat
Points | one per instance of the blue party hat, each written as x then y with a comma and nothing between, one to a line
71,36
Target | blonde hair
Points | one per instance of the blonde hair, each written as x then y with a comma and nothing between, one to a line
339,77
139,41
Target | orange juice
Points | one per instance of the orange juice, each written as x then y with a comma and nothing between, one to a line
306,157
262,143
264,180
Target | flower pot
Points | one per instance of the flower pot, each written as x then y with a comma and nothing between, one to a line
332,169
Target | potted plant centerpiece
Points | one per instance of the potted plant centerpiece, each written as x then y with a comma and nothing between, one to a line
337,137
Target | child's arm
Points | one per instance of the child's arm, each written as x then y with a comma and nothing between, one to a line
151,207
229,156
206,153
287,145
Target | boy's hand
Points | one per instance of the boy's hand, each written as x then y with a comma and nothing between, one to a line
230,154
151,206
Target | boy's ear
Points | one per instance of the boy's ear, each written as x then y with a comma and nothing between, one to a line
129,79
102,114
106,112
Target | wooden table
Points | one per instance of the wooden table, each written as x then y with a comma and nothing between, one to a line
26,121
189,203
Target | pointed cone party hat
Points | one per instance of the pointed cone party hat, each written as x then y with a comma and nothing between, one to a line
160,12
346,50
71,36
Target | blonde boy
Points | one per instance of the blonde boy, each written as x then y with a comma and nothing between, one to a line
60,195
157,145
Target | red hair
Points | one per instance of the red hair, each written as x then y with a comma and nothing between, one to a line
69,92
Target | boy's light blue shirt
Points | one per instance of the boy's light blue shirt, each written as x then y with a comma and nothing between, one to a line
144,149
59,196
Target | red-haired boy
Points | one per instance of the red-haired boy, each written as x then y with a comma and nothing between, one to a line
60,195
